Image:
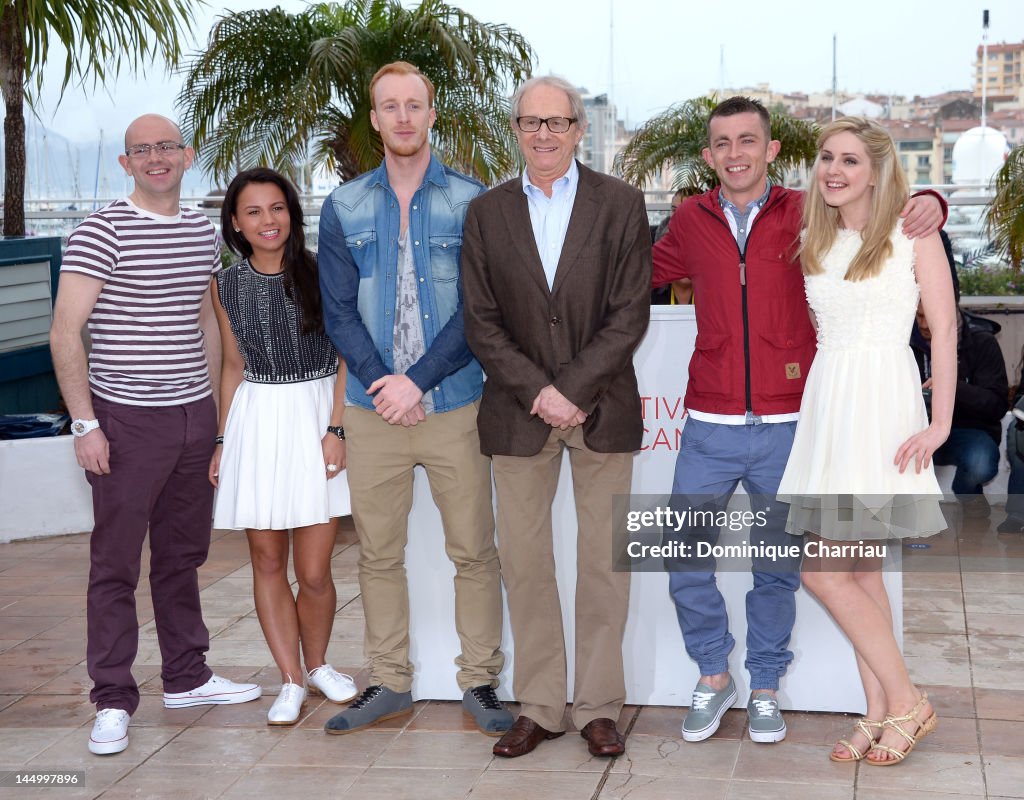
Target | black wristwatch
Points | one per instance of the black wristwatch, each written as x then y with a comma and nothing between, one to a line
337,430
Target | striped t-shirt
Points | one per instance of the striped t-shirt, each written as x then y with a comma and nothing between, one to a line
147,348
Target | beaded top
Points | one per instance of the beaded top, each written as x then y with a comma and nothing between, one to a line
268,327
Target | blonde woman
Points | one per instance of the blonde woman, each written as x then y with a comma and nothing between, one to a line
860,468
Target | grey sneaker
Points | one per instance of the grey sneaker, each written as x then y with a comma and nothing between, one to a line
706,710
766,722
375,704
491,717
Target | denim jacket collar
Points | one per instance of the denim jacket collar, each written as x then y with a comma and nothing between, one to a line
435,174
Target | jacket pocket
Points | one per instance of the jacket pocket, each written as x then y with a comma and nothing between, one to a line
709,368
787,357
444,257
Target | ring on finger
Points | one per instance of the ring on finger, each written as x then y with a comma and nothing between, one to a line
332,467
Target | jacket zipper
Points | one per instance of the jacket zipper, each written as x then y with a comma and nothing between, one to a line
743,295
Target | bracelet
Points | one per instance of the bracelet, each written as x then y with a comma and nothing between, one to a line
218,440
337,430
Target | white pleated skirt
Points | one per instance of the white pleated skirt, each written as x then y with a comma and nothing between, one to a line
272,474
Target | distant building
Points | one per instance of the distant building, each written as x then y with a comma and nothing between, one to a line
1005,75
916,145
861,107
598,148
1011,123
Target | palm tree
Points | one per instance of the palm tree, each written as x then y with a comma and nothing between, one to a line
99,36
1005,215
675,138
272,84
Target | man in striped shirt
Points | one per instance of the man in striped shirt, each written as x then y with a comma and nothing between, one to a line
138,273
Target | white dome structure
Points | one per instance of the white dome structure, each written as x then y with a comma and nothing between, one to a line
978,154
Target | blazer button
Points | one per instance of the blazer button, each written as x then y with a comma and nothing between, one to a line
555,320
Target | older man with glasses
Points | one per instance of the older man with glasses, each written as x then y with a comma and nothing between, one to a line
556,266
137,271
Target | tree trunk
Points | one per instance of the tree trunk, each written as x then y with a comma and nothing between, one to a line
12,84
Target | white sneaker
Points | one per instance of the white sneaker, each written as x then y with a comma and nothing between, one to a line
287,706
216,691
109,732
335,686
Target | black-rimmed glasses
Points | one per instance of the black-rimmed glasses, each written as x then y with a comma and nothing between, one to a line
555,124
160,148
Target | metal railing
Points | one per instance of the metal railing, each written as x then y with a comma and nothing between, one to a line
966,224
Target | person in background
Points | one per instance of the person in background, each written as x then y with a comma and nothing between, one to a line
980,404
679,292
1014,522
281,447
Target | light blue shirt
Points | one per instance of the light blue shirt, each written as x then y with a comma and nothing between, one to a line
740,220
549,216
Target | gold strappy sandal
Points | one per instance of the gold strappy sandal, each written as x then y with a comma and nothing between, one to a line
896,723
863,727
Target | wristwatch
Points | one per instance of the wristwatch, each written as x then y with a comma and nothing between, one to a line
337,430
80,427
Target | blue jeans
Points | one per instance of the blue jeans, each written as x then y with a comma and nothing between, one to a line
975,456
1015,486
712,461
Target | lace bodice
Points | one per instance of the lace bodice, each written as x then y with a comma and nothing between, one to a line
877,313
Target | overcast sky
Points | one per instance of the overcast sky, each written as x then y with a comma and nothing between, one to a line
662,51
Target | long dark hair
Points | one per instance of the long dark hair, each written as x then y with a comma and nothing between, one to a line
301,280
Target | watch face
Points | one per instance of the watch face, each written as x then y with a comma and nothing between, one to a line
78,427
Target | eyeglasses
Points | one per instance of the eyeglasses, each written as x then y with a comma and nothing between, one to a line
555,124
160,148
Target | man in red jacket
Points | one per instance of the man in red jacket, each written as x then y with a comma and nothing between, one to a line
755,344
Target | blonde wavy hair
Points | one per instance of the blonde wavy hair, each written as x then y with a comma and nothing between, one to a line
821,222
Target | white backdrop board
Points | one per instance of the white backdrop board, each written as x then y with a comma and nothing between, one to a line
823,676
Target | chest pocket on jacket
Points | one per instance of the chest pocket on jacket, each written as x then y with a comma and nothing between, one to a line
444,257
362,247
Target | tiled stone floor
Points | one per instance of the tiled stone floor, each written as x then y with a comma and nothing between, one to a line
964,643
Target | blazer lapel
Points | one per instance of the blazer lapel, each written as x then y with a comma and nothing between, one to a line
520,229
581,223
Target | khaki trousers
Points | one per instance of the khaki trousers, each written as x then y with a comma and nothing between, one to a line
525,488
381,458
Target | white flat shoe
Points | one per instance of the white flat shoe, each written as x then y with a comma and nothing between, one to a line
109,732
335,686
287,706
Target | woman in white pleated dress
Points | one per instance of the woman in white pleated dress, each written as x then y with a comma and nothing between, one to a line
860,464
281,445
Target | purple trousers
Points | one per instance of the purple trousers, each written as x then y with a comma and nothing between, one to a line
159,459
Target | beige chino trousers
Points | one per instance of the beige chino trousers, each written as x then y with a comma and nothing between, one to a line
381,459
526,488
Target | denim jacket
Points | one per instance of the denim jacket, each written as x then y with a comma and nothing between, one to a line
358,259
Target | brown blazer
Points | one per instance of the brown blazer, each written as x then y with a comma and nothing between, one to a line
580,335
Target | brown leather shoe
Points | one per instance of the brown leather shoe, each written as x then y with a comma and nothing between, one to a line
522,738
602,738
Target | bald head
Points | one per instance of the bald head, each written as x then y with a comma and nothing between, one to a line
156,159
137,132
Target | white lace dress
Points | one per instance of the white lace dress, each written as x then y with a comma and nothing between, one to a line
861,402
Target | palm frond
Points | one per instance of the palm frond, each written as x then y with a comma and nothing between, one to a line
1005,214
272,85
675,139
